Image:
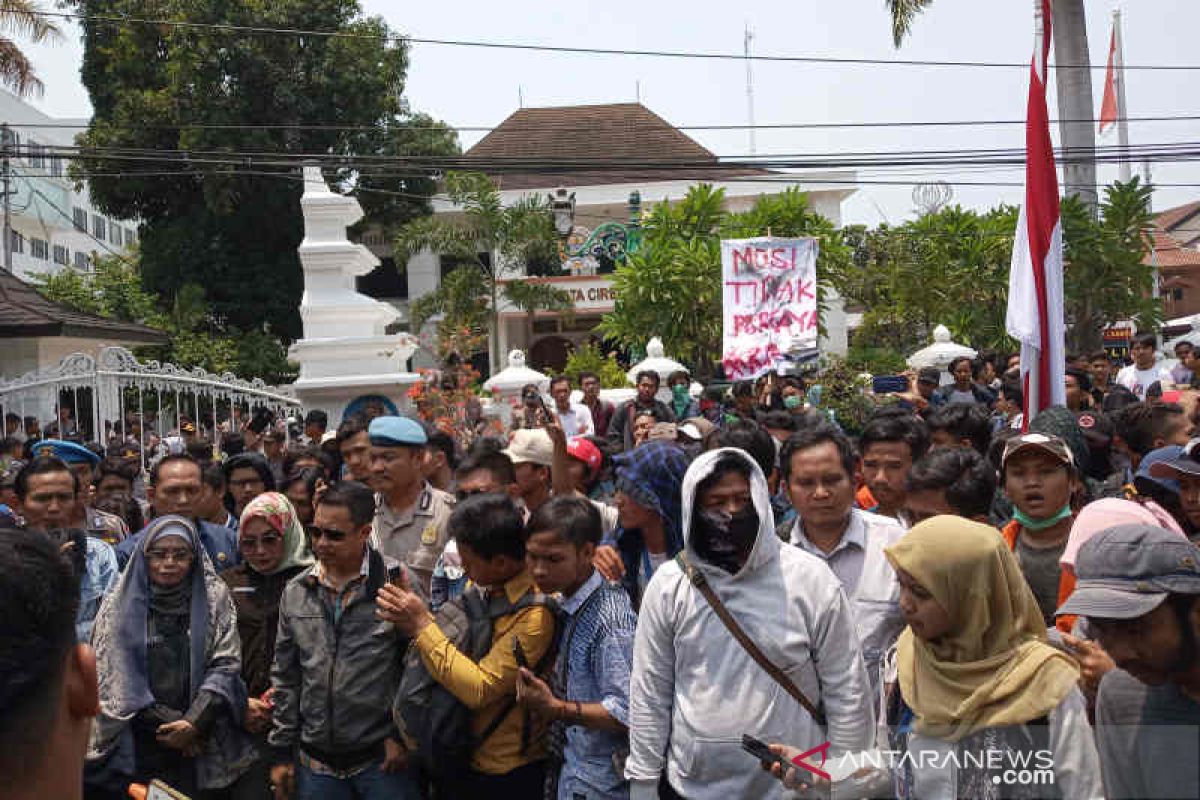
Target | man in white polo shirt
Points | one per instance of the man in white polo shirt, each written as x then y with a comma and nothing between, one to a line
575,418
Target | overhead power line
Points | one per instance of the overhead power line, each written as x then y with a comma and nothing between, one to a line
582,127
573,50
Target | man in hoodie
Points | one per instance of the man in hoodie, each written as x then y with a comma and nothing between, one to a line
689,671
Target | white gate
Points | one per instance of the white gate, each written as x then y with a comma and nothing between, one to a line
116,385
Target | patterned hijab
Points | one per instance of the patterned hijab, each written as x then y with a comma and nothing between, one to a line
993,667
652,476
277,510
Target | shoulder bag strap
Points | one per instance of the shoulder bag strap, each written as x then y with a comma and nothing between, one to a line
701,583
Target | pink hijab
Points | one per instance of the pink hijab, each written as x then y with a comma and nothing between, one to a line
1108,513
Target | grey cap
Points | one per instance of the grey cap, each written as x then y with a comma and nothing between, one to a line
1128,570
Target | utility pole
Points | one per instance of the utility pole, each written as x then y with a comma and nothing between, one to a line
6,179
749,89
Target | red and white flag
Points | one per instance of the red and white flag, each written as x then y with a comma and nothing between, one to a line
1035,281
1108,105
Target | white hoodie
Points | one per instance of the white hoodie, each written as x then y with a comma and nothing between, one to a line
694,690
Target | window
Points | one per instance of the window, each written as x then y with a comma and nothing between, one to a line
38,248
128,237
62,255
35,154
81,260
114,232
18,242
56,167
80,217
98,226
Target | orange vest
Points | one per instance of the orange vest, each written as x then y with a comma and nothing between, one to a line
1066,578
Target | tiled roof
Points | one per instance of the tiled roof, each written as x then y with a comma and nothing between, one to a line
1168,254
626,143
25,312
1172,217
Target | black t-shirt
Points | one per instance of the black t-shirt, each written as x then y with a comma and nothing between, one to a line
1148,738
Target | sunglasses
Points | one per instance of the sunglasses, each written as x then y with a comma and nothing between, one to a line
330,534
267,540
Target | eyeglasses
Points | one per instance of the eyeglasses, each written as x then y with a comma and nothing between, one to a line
463,494
330,534
266,541
162,556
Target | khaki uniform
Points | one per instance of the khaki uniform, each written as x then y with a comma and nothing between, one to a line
108,528
415,536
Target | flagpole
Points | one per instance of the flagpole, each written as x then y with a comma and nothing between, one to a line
1126,168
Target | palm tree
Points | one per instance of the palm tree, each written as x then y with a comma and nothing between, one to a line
1074,87
23,18
492,242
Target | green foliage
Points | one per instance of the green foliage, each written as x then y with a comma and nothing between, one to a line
27,19
844,393
232,229
495,243
876,360
952,268
114,289
587,357
671,286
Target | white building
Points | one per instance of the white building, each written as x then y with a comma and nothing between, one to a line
608,135
53,225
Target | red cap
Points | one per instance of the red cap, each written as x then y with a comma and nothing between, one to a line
586,452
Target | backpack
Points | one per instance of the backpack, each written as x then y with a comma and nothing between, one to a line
427,713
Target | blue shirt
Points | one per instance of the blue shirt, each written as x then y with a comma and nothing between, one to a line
598,645
99,577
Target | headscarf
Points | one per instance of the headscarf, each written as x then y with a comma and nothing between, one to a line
119,638
993,667
279,513
1110,512
173,600
652,476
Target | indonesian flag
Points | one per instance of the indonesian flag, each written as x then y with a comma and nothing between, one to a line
1035,281
1108,105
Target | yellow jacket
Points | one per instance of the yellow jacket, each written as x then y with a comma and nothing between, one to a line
486,687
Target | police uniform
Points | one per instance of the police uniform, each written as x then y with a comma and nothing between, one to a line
414,536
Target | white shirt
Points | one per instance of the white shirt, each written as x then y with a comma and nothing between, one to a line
576,420
1138,380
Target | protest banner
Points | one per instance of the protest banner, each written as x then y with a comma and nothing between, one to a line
769,303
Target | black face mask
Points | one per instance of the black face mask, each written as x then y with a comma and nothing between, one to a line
725,540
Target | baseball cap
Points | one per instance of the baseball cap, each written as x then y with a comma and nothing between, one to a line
1045,443
929,375
1158,458
585,451
530,446
1128,570
396,432
1183,464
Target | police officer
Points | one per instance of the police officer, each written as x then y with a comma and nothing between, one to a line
82,462
410,522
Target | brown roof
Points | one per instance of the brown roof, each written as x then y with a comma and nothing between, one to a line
25,312
1173,217
543,148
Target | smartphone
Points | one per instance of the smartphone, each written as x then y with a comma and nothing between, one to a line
762,752
519,653
889,384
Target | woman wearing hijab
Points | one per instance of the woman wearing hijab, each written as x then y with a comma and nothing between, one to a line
169,668
274,550
976,675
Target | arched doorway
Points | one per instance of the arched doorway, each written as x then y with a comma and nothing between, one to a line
549,353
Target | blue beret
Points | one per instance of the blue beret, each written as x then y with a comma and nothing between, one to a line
69,452
396,432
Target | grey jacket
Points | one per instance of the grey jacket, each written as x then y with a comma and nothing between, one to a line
334,681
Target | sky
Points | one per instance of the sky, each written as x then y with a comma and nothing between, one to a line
480,87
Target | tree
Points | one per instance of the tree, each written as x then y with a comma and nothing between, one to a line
219,122
951,267
24,18
1074,85
114,289
671,286
494,244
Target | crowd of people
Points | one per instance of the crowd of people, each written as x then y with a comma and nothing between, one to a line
605,602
